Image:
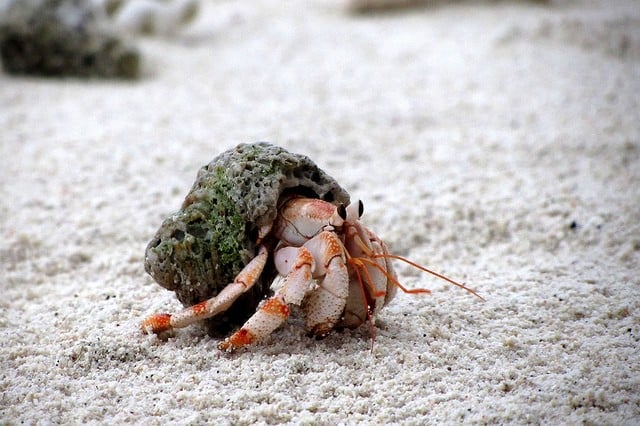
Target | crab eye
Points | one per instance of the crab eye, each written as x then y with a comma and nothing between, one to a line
360,209
342,211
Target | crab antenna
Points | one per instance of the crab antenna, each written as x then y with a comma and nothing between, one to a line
368,252
422,268
367,309
365,248
358,262
393,279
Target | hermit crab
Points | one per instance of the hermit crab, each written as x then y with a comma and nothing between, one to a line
256,212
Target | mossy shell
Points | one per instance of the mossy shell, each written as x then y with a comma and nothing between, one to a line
201,248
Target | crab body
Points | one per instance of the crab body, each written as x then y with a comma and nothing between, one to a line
333,267
256,212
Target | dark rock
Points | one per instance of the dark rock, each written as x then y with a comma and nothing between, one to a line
62,38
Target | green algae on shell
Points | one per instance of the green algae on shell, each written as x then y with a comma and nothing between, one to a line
201,248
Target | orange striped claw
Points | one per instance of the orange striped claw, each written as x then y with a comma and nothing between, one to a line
157,324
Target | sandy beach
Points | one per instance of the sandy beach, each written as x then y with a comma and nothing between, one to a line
495,142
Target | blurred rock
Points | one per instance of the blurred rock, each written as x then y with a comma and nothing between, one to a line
373,6
62,38
154,17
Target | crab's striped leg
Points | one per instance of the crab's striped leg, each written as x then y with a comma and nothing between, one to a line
275,310
160,323
320,256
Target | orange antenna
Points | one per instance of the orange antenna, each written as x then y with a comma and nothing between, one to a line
367,308
422,268
392,278
368,252
359,262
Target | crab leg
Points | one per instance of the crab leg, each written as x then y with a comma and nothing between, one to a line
298,283
275,310
324,306
160,323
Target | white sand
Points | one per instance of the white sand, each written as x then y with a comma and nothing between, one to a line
474,133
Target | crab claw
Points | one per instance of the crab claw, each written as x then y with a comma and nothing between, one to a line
241,338
157,324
